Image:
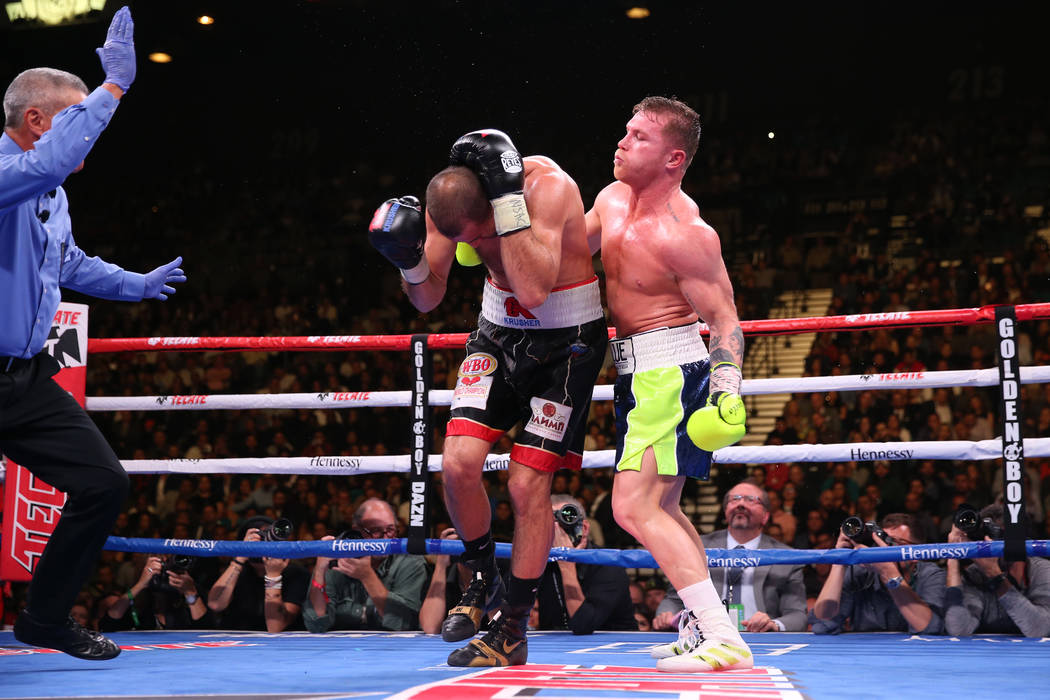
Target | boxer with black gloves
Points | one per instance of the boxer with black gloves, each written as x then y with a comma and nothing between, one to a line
533,359
664,271
493,157
397,231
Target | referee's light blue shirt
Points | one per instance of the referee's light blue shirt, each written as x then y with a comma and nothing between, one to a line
37,251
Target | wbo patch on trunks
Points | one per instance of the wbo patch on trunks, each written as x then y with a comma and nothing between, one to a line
549,419
478,364
474,383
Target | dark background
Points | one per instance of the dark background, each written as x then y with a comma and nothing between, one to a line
396,82
910,170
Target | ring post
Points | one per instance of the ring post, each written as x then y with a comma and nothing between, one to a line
419,513
1014,520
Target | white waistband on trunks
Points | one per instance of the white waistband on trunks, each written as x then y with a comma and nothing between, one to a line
658,348
565,307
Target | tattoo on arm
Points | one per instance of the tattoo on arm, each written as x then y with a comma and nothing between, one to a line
671,212
728,348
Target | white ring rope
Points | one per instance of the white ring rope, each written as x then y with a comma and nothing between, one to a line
603,392
759,454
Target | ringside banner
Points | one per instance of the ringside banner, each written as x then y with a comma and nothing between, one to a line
1010,421
422,377
31,507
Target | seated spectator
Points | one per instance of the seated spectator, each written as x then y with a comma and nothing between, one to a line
637,594
81,615
774,597
993,596
375,592
781,434
582,597
882,597
814,575
775,531
641,616
926,528
780,517
791,503
831,506
255,594
654,596
816,525
164,597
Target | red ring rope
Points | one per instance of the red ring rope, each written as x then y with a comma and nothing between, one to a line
784,326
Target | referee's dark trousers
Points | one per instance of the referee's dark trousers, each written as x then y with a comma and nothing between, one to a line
45,430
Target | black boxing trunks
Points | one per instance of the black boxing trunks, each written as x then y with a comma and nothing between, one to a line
533,366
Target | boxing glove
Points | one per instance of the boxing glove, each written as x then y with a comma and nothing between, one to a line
466,255
399,232
492,156
718,424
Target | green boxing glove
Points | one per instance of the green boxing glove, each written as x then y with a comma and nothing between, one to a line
718,424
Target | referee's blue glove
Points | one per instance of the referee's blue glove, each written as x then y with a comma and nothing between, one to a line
158,281
118,53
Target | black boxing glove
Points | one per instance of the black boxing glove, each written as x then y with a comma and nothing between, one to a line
492,156
398,232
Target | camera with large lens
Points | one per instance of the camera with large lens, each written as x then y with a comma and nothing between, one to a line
345,535
178,564
861,532
969,520
570,519
277,531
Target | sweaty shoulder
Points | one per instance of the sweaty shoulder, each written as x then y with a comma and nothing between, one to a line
544,172
544,179
686,209
684,238
696,231
614,194
686,215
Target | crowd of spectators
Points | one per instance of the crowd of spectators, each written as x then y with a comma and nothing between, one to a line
951,217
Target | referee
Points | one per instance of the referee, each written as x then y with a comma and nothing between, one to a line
50,125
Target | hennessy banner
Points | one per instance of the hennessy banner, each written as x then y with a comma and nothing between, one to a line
31,507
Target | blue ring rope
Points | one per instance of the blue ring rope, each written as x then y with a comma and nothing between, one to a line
630,558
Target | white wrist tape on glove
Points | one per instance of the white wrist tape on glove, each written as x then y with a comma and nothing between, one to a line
510,213
725,377
419,273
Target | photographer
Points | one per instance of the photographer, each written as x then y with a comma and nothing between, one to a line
884,596
991,595
448,583
164,597
373,592
253,594
582,597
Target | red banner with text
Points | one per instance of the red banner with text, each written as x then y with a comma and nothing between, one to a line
31,507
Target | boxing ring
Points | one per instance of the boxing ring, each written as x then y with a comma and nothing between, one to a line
601,666
227,664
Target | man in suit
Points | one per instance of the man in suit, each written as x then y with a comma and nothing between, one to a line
774,597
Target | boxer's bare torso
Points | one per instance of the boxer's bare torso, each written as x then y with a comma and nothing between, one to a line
645,251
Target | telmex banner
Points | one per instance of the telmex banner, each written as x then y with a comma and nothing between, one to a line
31,507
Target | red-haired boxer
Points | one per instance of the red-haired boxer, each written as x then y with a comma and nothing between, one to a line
533,360
664,269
